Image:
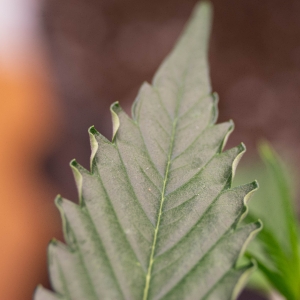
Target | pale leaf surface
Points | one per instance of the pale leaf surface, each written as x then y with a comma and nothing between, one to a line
157,217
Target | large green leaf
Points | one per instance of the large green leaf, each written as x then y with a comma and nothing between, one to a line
157,218
277,249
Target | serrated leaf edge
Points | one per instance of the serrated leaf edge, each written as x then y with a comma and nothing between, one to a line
77,169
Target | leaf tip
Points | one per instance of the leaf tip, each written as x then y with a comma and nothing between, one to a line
73,163
229,131
255,228
37,291
249,189
255,184
242,281
58,200
242,148
231,123
259,224
138,99
203,8
77,168
94,145
215,111
114,109
203,13
77,176
40,293
93,131
53,242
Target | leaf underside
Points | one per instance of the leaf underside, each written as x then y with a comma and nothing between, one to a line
157,217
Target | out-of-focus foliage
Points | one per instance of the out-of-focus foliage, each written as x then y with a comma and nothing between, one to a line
276,249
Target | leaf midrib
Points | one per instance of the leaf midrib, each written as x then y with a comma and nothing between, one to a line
166,176
151,261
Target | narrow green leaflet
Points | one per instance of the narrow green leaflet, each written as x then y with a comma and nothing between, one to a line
157,217
277,249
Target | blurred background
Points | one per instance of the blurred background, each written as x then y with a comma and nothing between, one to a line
63,62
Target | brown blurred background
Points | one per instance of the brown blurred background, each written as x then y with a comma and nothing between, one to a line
63,62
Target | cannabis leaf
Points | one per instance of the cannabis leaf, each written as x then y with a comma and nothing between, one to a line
157,218
277,249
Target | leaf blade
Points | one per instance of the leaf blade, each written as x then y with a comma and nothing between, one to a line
158,202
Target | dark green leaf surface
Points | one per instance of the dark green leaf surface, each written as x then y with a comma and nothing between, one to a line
157,217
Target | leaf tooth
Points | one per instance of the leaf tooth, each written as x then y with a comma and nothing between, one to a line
43,294
128,132
241,150
94,146
231,284
253,187
59,202
118,112
246,271
78,172
230,130
215,111
96,140
114,109
98,136
137,102
56,251
75,165
258,226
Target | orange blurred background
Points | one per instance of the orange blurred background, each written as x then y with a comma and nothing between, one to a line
29,122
